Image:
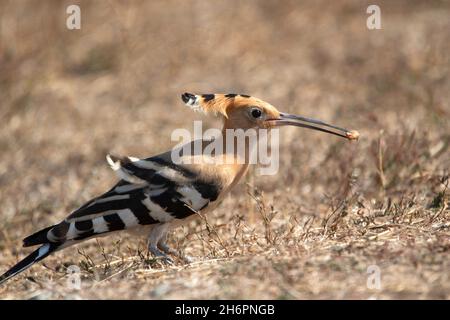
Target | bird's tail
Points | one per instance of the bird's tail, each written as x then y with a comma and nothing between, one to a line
31,259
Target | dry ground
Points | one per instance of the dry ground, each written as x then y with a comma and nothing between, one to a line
335,208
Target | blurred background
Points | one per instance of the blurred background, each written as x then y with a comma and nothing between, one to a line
69,97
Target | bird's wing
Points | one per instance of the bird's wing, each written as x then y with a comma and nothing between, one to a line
151,191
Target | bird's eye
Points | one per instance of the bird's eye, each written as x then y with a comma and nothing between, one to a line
256,113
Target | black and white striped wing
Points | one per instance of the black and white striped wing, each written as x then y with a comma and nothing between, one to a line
151,191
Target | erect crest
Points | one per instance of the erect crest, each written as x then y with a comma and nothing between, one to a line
216,103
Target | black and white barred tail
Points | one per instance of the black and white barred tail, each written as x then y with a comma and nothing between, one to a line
41,253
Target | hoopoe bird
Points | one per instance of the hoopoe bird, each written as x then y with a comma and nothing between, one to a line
156,194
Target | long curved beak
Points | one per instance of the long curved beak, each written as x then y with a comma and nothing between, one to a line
286,119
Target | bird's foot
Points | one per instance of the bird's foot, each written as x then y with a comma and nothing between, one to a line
160,255
164,247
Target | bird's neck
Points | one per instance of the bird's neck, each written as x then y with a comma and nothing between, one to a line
238,144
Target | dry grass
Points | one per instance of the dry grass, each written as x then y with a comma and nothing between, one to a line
69,97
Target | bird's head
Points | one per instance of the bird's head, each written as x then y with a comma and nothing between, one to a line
244,112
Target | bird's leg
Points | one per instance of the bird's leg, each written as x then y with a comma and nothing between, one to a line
158,232
165,247
162,244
